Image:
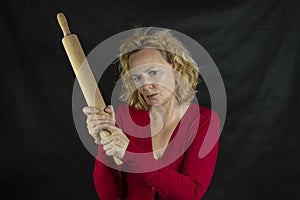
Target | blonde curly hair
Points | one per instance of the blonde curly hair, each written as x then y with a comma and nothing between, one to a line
173,51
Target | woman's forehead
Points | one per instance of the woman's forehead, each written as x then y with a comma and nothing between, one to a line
149,66
146,56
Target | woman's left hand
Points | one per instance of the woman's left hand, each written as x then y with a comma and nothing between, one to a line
116,143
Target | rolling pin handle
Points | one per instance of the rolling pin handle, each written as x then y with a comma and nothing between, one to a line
63,24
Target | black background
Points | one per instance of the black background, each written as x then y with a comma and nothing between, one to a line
255,45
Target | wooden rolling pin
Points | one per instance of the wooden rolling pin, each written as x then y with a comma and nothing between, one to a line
82,71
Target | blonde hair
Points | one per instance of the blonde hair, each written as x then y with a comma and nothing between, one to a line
173,51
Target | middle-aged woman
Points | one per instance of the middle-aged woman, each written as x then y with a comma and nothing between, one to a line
158,131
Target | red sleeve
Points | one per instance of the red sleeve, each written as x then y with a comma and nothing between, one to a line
196,173
107,181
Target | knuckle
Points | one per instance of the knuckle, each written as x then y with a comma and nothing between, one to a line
97,141
110,152
85,109
104,147
93,133
117,140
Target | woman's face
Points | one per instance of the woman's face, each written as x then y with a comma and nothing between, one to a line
153,76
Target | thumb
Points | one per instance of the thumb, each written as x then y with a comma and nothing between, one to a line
109,109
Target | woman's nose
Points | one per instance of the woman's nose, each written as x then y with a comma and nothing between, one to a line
147,86
145,83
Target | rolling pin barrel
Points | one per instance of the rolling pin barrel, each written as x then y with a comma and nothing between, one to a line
82,71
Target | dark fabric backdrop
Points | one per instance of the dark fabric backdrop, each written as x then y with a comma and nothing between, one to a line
255,45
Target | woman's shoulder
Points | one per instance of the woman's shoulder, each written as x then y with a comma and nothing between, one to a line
205,128
200,111
193,110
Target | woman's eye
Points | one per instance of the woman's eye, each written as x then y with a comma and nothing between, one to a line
153,72
136,78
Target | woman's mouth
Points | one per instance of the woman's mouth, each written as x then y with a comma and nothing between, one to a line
151,96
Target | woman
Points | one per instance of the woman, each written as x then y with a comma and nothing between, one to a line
158,131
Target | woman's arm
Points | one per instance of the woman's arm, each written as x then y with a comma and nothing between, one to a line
107,181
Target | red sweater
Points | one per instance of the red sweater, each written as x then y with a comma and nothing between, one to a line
184,171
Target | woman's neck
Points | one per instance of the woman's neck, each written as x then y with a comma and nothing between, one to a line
168,113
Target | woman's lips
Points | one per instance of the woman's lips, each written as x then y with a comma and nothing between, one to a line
151,96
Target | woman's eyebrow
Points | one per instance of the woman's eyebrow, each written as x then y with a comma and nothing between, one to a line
137,72
134,75
151,68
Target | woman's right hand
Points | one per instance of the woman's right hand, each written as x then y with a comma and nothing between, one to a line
95,120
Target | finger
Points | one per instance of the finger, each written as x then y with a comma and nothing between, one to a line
109,109
106,140
92,124
98,140
121,143
108,146
110,127
95,130
89,110
94,133
110,152
93,117
113,113
116,140
99,119
100,126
